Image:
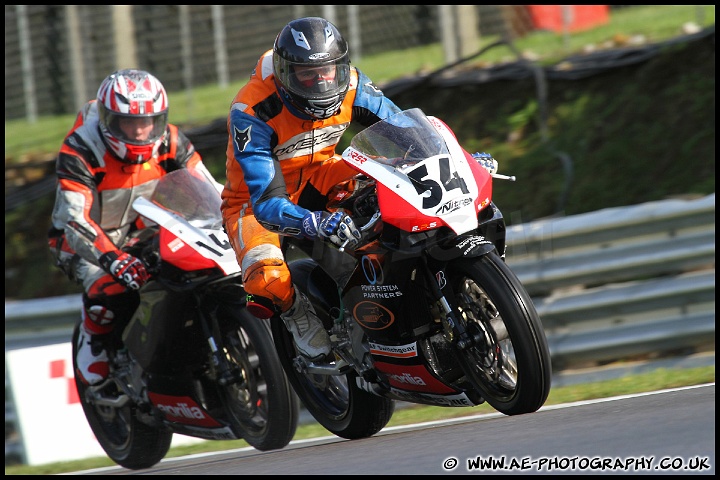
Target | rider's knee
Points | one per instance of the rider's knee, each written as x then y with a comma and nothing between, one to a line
102,314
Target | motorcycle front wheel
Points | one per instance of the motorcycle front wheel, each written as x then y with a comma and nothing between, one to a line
125,439
509,360
263,408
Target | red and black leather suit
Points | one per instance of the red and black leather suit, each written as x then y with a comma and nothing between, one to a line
93,212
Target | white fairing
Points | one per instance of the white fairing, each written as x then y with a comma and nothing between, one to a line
438,183
458,208
187,204
210,243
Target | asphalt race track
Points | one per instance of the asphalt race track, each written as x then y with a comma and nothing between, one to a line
665,432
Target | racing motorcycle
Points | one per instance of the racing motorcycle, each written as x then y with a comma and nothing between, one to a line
424,309
191,360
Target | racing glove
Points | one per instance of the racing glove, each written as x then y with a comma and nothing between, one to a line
486,161
337,227
128,271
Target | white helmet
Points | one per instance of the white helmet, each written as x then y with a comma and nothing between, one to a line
132,94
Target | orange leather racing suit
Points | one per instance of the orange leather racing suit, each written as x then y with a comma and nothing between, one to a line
280,165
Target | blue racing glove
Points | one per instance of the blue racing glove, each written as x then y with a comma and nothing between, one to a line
486,161
337,227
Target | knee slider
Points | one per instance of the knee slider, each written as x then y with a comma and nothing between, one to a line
102,314
98,319
261,307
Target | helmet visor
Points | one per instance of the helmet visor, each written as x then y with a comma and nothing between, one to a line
316,82
136,129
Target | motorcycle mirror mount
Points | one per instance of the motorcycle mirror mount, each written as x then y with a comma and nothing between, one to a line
503,177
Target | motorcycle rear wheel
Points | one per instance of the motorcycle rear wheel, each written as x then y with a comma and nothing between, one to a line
510,363
335,401
264,409
125,439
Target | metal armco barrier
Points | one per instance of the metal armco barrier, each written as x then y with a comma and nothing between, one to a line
621,282
609,285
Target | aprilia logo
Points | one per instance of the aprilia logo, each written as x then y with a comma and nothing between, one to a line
407,378
182,410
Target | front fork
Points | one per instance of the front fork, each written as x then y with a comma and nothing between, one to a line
454,330
226,374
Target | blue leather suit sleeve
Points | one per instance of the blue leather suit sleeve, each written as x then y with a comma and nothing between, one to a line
371,105
252,145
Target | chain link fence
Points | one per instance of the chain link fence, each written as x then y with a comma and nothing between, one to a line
55,56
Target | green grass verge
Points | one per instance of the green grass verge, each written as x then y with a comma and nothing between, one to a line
656,380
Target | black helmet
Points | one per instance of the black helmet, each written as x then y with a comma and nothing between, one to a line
313,48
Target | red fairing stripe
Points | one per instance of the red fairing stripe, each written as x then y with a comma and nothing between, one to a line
413,377
398,212
484,182
178,253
